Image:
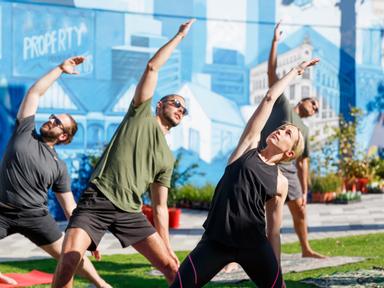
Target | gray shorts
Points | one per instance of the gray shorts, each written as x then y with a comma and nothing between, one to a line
95,214
39,226
294,187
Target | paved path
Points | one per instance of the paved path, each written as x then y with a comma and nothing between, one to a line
324,221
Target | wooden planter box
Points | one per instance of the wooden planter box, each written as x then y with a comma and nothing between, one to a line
326,197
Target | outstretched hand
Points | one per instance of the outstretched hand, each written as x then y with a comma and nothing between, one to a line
277,32
305,64
96,254
184,28
69,65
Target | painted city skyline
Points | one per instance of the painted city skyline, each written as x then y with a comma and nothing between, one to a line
220,68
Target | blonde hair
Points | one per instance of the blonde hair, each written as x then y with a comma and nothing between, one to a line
298,146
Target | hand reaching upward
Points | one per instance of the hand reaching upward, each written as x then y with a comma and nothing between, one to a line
277,32
305,64
69,65
184,28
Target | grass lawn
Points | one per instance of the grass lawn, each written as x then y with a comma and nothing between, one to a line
131,270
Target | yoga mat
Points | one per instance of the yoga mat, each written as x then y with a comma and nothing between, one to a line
34,277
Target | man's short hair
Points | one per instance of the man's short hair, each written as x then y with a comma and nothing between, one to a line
165,98
309,98
70,131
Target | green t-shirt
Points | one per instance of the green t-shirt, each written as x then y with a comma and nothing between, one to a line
137,156
283,112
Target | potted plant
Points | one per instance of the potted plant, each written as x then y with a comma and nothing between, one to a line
324,188
357,174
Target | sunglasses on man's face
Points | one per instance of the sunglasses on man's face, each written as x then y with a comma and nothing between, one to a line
314,105
177,104
56,122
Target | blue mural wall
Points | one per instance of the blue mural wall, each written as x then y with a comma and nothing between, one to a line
220,67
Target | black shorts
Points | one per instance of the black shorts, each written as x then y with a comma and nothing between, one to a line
39,227
95,214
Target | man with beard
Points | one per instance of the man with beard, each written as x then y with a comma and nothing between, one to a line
137,158
296,173
30,167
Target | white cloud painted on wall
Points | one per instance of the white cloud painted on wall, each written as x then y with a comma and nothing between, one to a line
226,34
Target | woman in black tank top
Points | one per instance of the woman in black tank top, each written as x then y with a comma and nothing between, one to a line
235,226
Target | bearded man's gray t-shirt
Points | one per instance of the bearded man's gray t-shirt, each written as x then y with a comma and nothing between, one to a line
29,168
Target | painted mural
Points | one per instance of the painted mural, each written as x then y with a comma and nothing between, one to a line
220,68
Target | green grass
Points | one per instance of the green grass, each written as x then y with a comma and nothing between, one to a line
131,270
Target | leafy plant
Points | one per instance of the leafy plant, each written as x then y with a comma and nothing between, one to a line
329,183
377,166
355,168
193,193
180,177
352,162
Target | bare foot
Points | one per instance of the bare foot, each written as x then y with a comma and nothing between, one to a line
233,266
7,280
313,254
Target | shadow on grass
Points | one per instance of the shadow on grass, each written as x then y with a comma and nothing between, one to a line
297,284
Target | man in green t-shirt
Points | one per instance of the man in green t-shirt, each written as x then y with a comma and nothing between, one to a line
296,173
137,158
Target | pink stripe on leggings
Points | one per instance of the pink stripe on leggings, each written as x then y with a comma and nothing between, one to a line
277,276
181,284
194,270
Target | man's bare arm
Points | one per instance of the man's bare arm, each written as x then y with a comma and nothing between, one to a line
159,195
147,84
272,60
67,202
302,172
31,100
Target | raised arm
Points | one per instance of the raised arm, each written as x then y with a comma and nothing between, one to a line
303,172
31,100
147,84
272,60
251,135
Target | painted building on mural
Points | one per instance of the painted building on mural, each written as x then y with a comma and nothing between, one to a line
320,82
229,75
118,40
213,127
117,52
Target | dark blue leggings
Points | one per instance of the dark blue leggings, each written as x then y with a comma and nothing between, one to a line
209,257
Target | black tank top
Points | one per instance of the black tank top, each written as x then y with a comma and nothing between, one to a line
237,216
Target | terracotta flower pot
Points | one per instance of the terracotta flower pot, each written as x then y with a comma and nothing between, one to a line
148,212
173,213
326,197
174,217
361,184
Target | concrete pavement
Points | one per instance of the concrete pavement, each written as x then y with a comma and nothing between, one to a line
325,220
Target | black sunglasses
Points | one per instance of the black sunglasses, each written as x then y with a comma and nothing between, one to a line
57,122
315,107
176,103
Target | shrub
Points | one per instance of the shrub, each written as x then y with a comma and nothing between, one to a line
329,183
195,197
